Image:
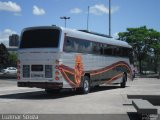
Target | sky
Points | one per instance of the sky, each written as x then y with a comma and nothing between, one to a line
18,14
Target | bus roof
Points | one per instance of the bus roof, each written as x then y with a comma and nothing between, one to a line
85,35
93,37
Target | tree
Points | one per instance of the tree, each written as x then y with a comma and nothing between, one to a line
144,42
12,59
154,44
3,56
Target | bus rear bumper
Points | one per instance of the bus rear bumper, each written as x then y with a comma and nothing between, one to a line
40,84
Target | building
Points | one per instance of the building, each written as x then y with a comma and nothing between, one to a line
14,40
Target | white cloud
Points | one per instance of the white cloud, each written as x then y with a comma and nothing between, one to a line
38,11
9,6
114,9
115,35
17,14
75,10
4,36
100,9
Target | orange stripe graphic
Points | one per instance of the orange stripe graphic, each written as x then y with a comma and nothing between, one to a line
79,66
115,77
109,69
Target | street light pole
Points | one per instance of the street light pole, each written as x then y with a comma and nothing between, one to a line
88,18
110,18
65,19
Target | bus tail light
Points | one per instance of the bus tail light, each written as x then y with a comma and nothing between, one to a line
18,69
56,67
57,73
56,78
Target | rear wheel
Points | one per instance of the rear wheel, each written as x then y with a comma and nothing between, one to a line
85,85
124,79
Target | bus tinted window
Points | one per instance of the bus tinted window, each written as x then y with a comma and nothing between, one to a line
68,45
77,45
40,38
89,47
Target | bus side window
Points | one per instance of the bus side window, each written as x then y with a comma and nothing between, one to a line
68,45
108,50
95,48
88,47
101,49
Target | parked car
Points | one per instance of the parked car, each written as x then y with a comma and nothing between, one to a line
10,71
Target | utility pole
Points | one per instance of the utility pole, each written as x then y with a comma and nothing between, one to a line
110,18
65,19
88,18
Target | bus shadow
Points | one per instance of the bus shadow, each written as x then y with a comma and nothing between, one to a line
42,95
38,95
103,88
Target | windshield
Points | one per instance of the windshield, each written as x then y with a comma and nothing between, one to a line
40,38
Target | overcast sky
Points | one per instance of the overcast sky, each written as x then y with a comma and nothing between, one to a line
18,14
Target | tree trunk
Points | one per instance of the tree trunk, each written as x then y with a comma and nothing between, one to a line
140,66
159,71
155,65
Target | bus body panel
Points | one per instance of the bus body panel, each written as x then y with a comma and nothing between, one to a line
94,63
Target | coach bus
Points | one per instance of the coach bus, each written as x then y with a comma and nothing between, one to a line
52,58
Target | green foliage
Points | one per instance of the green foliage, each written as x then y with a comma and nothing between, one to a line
12,59
144,42
3,56
7,59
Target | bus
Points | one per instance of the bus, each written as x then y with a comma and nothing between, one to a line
53,58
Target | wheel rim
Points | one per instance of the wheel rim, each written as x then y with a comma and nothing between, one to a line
86,85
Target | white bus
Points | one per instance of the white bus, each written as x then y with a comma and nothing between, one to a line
52,58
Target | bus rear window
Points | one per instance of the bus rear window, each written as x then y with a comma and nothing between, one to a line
40,38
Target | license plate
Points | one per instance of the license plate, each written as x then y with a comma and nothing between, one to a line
37,75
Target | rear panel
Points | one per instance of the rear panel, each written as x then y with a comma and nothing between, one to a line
39,58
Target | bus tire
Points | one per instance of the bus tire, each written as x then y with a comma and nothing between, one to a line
124,79
86,85
49,91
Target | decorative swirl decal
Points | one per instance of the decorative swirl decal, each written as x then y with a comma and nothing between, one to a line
73,75
78,69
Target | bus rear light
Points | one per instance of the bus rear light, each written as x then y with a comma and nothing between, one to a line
18,69
57,67
56,78
56,73
18,73
18,77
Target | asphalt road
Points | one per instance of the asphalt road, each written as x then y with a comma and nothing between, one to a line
109,102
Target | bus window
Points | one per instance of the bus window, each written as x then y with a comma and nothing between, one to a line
69,45
77,45
40,38
108,50
82,46
96,48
